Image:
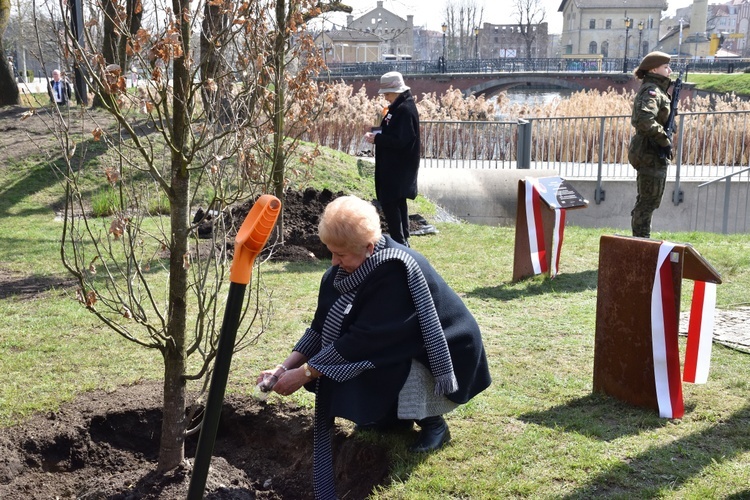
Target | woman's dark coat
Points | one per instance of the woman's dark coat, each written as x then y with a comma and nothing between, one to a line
382,327
397,151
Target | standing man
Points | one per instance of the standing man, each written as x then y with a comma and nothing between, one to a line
396,155
650,148
59,89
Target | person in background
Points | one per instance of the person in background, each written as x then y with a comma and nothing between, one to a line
59,89
390,342
396,155
650,148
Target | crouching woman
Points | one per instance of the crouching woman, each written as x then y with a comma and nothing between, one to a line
390,343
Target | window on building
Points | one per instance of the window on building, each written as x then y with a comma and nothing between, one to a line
497,39
608,24
592,48
605,49
592,24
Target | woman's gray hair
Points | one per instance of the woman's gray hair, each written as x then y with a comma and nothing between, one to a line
349,222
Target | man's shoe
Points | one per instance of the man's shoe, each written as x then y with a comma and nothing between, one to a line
433,436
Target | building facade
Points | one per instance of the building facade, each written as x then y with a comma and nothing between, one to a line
378,35
609,29
509,40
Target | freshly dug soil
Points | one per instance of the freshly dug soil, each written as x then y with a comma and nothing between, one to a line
105,446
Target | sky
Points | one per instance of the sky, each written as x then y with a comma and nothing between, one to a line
429,13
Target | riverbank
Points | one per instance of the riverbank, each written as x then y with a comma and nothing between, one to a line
737,83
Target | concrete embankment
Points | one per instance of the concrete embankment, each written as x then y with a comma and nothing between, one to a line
490,197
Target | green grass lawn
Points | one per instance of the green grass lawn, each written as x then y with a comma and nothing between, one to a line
739,83
537,432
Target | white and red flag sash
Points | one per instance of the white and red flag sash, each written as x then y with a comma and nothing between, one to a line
700,333
664,336
535,227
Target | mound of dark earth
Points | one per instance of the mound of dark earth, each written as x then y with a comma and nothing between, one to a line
104,445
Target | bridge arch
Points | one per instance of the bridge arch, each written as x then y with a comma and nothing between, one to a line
493,87
489,84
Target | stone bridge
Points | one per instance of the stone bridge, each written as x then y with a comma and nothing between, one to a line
490,84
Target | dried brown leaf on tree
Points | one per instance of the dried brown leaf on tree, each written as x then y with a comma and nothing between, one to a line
91,299
117,227
92,266
112,174
97,133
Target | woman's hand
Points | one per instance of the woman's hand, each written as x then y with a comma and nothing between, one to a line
370,137
291,381
268,378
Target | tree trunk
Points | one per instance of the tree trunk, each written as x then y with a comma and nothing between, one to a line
215,97
277,175
109,49
8,87
174,424
134,11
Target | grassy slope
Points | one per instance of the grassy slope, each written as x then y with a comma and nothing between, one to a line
537,432
738,83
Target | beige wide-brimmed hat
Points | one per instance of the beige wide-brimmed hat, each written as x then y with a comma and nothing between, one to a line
392,82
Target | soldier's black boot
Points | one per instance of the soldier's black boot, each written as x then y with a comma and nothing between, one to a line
433,435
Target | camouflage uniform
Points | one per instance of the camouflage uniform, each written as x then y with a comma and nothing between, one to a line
650,113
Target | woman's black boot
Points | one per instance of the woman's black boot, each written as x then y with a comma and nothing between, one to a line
434,435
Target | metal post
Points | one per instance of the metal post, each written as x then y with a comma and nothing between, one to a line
627,30
677,194
523,154
599,192
476,46
250,240
445,28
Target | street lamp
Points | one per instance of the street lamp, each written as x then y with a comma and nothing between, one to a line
679,43
627,30
445,28
476,43
640,37
476,46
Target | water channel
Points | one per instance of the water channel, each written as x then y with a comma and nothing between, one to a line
532,97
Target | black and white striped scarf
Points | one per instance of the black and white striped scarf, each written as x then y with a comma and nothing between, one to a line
334,366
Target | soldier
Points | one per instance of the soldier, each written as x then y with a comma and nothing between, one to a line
650,148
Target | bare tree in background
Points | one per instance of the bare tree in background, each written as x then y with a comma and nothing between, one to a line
529,14
8,87
461,17
140,266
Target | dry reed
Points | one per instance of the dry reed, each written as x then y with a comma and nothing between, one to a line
581,128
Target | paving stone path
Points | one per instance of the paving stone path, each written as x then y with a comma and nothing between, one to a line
731,327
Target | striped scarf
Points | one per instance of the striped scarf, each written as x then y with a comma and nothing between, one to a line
334,366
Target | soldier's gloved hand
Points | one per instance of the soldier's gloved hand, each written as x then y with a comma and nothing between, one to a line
665,152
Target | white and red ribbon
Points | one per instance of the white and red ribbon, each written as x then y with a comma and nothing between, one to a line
535,226
700,333
664,335
664,338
